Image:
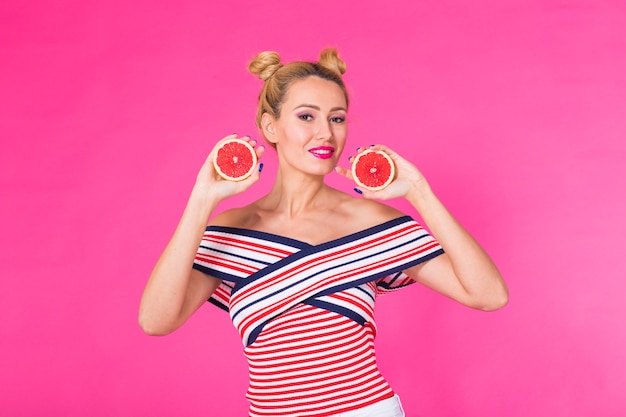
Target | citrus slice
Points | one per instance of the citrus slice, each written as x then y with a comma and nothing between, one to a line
373,170
234,159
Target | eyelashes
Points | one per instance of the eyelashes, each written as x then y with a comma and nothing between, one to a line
307,117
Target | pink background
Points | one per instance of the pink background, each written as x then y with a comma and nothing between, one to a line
515,110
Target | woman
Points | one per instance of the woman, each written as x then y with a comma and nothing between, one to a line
299,269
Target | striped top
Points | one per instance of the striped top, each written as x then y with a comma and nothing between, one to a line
305,313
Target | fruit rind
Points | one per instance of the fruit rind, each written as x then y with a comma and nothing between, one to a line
219,171
365,186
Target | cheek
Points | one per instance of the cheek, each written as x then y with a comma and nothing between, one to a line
300,133
341,133
340,139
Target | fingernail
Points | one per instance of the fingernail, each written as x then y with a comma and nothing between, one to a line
372,145
261,167
358,191
357,149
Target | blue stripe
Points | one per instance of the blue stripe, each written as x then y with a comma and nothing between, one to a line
351,314
216,274
301,244
367,293
324,246
378,275
233,254
254,334
338,288
390,283
270,237
218,304
240,284
364,233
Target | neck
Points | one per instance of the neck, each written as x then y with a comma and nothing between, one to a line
296,193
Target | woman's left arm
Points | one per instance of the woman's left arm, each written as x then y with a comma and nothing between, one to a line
465,272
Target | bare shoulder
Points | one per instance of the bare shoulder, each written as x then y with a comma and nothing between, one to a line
235,217
368,213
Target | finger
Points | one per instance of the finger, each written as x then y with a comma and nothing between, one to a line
260,151
374,195
385,149
344,172
375,147
249,139
363,148
364,192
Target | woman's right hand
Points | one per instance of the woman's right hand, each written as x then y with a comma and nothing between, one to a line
174,290
209,183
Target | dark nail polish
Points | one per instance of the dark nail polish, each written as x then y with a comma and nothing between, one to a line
261,167
358,191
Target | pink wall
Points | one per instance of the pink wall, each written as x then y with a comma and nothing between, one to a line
515,110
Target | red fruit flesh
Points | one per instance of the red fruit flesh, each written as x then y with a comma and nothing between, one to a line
235,160
373,170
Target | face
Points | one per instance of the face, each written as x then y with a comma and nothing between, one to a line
311,131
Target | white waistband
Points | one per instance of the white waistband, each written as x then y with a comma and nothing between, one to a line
390,407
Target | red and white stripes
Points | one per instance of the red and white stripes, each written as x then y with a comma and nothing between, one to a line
305,312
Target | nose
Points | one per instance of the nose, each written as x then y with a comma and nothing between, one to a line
324,131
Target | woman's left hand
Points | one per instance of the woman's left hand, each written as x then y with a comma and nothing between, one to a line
465,272
408,178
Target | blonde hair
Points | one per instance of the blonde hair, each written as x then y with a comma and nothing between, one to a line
278,77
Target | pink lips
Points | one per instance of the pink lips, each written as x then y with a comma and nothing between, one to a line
323,152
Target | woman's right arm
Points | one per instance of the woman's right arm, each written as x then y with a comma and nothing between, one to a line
175,290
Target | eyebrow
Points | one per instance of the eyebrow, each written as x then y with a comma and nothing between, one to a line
313,106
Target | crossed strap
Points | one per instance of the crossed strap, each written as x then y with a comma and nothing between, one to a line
265,275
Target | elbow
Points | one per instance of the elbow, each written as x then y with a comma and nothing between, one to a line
495,301
153,327
153,331
495,305
494,296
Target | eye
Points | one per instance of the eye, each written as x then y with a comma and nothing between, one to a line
305,116
337,119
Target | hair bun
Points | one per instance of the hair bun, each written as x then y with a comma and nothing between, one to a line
265,64
329,59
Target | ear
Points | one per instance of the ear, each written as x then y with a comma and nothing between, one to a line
268,123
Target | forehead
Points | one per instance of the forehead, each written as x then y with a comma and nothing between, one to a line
315,90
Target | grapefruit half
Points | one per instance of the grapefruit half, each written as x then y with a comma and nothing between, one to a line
234,159
373,170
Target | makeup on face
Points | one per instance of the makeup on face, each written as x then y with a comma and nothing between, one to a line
323,152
